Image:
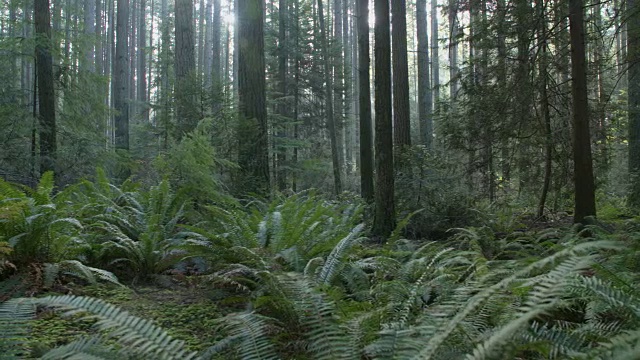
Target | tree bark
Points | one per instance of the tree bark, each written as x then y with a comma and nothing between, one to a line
253,152
453,49
366,135
424,89
283,59
384,217
185,66
90,30
585,204
121,77
142,61
435,56
337,181
401,112
46,95
633,60
544,105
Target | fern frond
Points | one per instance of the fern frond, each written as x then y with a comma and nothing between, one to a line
136,335
249,331
331,265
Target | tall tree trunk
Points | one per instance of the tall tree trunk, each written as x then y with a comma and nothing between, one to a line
217,78
435,56
424,89
348,89
384,217
283,59
633,59
338,78
544,105
453,49
46,96
142,61
201,34
207,46
121,77
337,181
296,90
366,134
133,56
401,114
185,67
585,204
253,151
99,41
90,30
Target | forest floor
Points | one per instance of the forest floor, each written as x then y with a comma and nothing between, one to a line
186,312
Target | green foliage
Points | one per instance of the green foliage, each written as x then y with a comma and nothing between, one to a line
141,229
194,166
431,196
288,232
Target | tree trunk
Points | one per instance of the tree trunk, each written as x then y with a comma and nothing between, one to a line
207,46
185,66
348,90
424,89
633,59
121,77
46,96
401,114
585,204
253,151
335,53
544,105
366,135
99,41
296,91
453,49
384,217
90,30
337,181
435,56
215,60
283,59
142,61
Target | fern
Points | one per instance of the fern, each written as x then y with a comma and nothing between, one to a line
135,336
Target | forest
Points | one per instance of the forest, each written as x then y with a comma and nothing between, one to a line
319,179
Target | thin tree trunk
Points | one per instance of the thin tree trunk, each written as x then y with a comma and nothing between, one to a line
544,105
296,92
90,30
435,56
201,34
121,77
424,89
207,46
338,78
453,49
337,181
99,40
348,88
215,60
366,135
142,60
283,59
